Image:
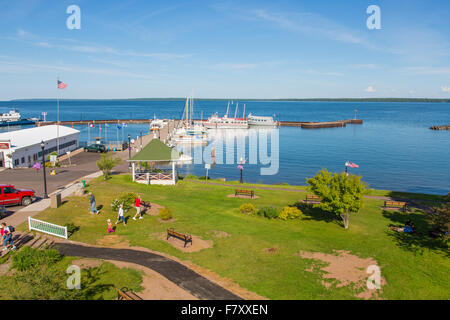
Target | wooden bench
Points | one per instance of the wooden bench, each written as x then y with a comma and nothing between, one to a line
395,204
184,237
312,199
244,192
125,294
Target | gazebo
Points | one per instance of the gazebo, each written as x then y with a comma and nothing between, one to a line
156,152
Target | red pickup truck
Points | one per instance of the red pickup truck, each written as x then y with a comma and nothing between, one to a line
9,196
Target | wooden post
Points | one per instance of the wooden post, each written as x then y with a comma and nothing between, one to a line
134,171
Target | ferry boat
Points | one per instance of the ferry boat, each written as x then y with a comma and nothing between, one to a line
13,118
261,121
216,122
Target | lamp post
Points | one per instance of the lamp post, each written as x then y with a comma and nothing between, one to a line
43,169
129,150
241,168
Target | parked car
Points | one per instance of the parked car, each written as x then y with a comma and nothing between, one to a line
11,196
95,148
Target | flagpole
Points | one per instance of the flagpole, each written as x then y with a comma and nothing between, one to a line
57,116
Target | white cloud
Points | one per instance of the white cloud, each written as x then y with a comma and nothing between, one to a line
370,89
445,89
312,23
95,49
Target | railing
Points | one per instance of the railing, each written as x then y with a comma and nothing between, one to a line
148,176
46,227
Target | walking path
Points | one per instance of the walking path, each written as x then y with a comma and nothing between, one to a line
176,272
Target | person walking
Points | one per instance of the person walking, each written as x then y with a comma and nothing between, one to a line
138,208
92,202
120,216
7,235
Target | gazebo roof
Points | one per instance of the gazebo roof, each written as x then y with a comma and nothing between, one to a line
155,151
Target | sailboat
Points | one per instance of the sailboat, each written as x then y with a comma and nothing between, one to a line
186,131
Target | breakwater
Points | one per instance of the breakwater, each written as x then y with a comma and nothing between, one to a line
302,124
447,127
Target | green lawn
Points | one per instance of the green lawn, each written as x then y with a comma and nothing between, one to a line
414,267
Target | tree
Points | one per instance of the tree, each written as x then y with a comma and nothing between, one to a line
106,163
341,194
440,217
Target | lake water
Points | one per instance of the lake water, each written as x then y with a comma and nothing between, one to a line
394,148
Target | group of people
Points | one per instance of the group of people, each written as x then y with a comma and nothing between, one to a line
409,227
7,236
120,215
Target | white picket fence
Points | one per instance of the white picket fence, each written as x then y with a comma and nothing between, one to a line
46,227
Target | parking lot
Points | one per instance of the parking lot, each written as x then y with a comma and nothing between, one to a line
82,164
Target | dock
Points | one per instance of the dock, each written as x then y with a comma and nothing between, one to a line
318,125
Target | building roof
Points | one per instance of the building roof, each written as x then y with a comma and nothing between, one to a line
32,136
156,150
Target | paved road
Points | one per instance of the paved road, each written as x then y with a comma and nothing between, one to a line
176,272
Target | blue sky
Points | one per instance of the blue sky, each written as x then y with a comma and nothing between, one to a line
225,49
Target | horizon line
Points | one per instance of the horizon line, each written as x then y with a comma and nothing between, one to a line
263,99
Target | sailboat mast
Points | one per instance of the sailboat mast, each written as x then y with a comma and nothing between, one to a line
228,108
235,110
186,109
243,116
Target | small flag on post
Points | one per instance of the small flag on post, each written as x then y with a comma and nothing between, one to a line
61,85
351,164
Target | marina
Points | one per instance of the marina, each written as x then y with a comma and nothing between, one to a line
389,132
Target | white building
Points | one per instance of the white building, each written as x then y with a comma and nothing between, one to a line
22,148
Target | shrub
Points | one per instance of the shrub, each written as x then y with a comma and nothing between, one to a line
247,208
127,199
300,205
106,163
204,178
268,212
289,213
29,258
165,214
190,177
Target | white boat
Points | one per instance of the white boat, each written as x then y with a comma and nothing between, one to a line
225,122
12,115
186,131
261,121
157,124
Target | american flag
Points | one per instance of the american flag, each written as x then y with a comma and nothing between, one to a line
61,85
351,164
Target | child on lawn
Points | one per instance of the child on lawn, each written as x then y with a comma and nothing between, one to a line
110,228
